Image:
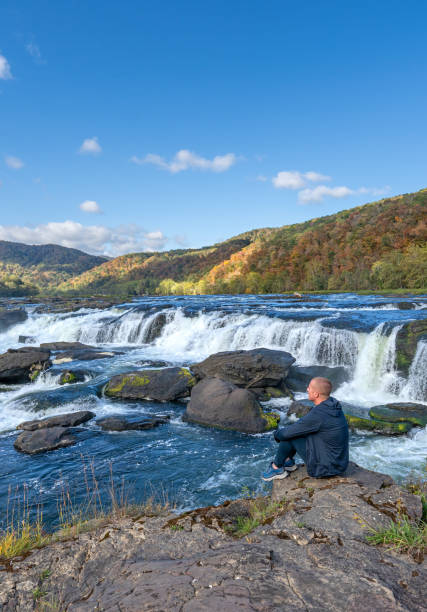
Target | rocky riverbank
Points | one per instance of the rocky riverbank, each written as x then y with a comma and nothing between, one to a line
310,554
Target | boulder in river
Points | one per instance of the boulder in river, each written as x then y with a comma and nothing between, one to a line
69,377
299,377
406,343
70,419
26,339
18,366
401,412
126,424
165,385
255,368
9,318
219,403
42,440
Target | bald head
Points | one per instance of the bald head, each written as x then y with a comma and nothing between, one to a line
319,389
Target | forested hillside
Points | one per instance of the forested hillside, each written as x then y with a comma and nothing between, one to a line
25,269
381,245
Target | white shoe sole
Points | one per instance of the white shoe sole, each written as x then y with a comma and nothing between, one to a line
276,477
291,469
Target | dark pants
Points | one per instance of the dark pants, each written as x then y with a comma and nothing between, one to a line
289,448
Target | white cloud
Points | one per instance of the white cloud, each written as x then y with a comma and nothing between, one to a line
96,239
292,179
5,71
375,191
90,206
14,162
261,178
317,194
90,146
185,160
35,53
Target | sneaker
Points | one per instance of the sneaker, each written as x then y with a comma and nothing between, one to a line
272,474
290,466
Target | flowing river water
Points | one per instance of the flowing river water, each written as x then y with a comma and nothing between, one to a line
193,465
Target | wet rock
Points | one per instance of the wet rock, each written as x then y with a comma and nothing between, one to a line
256,368
9,318
401,412
406,343
154,363
19,365
82,355
72,376
165,385
300,408
42,440
299,377
156,328
405,305
383,428
123,424
218,403
64,346
26,339
70,419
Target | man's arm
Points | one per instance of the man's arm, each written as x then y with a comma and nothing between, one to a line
308,424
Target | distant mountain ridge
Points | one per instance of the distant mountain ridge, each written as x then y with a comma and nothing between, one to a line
27,268
380,245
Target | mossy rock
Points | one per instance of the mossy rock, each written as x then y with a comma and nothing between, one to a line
406,343
401,412
272,418
165,385
383,428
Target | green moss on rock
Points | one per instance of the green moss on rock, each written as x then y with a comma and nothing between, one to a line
190,378
272,420
406,343
380,427
401,413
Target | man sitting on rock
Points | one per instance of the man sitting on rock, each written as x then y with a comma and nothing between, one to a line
320,437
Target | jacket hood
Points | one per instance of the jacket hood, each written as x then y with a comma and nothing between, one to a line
330,406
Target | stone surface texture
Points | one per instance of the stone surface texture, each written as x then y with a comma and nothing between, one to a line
16,365
69,419
165,385
311,557
42,440
218,403
256,368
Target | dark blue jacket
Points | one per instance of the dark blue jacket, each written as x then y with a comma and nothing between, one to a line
326,432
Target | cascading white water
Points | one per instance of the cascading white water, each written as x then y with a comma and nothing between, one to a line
370,356
416,386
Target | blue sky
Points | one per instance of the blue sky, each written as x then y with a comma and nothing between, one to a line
150,125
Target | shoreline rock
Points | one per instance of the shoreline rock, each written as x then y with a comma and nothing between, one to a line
311,555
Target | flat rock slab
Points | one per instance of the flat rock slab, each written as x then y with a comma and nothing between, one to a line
82,355
165,385
42,440
400,412
17,365
122,424
310,558
65,346
70,419
256,368
218,403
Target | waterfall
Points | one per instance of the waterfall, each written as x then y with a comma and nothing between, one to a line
415,387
